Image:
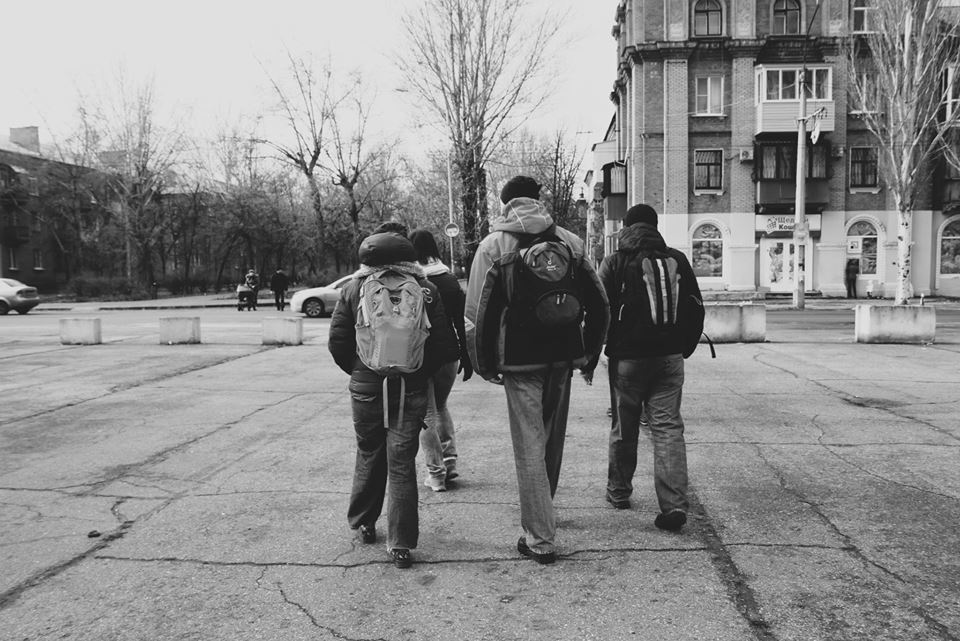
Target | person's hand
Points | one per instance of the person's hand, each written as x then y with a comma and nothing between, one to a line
467,370
587,376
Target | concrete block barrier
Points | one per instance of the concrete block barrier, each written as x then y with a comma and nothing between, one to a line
282,331
80,331
735,322
894,324
177,330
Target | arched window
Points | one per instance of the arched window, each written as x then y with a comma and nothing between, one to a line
862,244
786,17
707,251
708,18
950,248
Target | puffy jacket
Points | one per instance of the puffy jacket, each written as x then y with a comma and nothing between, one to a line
655,342
342,341
497,345
452,296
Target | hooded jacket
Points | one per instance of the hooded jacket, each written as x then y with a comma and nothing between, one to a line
495,343
342,341
661,341
453,302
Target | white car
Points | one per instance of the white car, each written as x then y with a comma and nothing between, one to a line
318,301
15,295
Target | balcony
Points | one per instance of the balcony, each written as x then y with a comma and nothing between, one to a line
781,116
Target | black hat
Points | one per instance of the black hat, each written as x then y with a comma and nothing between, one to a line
520,187
640,214
386,248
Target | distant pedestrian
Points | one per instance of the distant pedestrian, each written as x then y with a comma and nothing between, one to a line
279,283
527,333
438,440
252,280
850,275
388,410
657,319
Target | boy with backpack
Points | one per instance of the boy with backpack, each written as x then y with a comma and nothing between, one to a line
535,310
657,318
390,333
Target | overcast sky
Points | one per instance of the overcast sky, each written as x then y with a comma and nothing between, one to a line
211,58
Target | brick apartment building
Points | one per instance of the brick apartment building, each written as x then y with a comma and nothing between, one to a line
706,130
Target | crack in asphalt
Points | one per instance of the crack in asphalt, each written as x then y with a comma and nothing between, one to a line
313,620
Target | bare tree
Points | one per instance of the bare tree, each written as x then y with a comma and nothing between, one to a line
476,64
897,77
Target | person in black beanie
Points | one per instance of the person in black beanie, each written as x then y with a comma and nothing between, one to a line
646,346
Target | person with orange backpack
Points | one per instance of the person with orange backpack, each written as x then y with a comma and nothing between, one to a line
389,331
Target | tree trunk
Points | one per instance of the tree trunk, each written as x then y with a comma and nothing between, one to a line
904,250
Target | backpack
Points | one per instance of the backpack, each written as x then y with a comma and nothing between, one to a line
547,292
650,299
392,328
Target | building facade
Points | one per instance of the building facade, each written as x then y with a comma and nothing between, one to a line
707,109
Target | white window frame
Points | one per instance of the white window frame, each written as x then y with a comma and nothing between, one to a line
952,91
12,263
865,188
867,80
866,9
943,228
785,32
38,260
708,190
763,75
693,21
723,248
714,95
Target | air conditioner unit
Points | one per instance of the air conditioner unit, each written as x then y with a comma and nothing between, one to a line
837,151
746,154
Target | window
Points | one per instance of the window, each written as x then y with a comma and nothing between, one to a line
953,91
707,252
864,94
866,234
12,264
708,170
786,17
781,84
863,168
37,259
863,16
817,84
779,161
709,95
707,18
950,248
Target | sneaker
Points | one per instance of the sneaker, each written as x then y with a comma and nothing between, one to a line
435,484
543,559
401,558
671,521
451,465
620,504
368,533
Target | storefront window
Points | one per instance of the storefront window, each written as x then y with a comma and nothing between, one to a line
707,252
862,244
950,249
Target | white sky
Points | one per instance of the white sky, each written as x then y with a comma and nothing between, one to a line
210,58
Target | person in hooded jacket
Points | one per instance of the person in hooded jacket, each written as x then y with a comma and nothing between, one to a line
437,439
646,377
386,453
535,368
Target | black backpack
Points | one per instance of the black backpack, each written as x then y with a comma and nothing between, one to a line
650,299
547,292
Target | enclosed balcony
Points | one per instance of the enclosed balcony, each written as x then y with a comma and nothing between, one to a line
777,98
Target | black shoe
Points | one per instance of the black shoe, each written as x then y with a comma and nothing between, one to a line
620,504
401,558
368,533
542,559
671,521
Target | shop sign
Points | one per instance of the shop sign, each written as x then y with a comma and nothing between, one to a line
772,223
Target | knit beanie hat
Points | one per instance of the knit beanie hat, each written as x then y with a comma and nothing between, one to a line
640,214
520,186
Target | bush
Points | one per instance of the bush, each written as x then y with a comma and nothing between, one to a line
101,288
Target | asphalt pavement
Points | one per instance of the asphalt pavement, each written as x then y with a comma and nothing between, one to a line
199,492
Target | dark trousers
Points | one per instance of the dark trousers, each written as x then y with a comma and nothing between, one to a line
279,298
852,287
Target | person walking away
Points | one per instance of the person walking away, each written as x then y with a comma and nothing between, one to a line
437,439
850,275
252,280
378,335
527,333
657,319
278,284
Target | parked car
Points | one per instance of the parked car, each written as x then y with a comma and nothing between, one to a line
318,301
17,296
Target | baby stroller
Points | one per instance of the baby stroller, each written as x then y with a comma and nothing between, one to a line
246,298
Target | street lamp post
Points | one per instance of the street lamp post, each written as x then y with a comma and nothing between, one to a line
799,205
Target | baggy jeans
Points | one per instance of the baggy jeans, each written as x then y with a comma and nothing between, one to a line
658,382
537,403
437,439
386,458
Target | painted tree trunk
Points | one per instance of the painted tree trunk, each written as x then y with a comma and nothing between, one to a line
904,251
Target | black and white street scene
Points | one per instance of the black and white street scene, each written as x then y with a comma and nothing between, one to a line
480,319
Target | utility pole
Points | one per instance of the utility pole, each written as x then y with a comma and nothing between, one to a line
800,202
450,210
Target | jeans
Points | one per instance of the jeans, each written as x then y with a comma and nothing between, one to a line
658,382
386,457
537,403
437,438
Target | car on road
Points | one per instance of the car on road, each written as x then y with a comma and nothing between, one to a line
17,296
318,301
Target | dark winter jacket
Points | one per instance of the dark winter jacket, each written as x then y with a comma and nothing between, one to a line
453,303
342,341
496,344
623,344
279,282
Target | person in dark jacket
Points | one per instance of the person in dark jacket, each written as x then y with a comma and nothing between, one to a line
646,369
387,454
278,284
850,274
438,440
534,368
